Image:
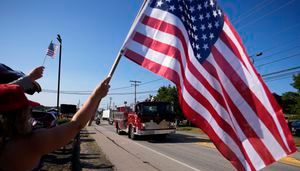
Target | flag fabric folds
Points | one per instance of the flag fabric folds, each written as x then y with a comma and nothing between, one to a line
51,51
193,44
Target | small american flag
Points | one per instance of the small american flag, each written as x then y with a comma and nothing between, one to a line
193,44
51,51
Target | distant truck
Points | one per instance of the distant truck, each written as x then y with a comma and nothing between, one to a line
148,118
68,110
107,115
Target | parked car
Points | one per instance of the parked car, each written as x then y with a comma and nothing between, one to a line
43,119
295,127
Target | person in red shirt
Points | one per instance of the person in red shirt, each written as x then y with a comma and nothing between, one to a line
20,147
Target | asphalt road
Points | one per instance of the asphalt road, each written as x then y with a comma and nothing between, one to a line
180,151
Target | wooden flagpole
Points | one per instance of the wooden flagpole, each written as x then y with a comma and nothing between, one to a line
114,66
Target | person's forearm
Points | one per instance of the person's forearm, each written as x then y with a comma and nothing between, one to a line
87,111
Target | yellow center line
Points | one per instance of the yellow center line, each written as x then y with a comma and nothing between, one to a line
286,160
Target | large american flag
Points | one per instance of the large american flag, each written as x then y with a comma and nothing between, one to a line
193,44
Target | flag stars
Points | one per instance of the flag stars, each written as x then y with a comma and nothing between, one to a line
159,3
192,9
182,18
196,38
215,14
195,28
219,12
201,17
199,7
207,15
181,8
217,25
202,20
209,25
172,8
205,46
193,18
198,56
211,3
206,4
202,27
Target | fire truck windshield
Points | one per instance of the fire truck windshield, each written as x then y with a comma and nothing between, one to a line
158,108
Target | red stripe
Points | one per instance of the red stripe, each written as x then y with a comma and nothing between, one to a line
200,122
171,51
171,29
281,119
248,96
253,138
232,47
153,66
273,102
157,46
226,20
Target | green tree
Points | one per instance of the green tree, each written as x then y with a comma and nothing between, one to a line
169,94
296,83
291,100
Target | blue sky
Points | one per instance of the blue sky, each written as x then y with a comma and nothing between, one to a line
94,30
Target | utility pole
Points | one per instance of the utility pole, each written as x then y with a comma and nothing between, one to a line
110,98
135,83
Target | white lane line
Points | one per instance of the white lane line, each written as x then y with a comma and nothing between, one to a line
167,157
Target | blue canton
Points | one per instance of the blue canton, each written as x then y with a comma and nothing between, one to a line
203,20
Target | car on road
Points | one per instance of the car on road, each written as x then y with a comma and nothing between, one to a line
295,127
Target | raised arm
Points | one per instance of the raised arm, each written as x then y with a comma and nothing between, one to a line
58,136
43,141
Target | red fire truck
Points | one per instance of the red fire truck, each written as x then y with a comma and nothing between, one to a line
148,118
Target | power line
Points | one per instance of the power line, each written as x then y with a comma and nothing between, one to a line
271,12
257,7
270,80
109,94
281,59
276,53
281,44
281,71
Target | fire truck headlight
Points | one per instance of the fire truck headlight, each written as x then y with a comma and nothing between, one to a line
143,125
172,125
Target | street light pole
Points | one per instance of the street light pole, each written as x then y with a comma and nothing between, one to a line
255,55
59,66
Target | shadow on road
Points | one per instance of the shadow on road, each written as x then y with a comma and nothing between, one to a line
173,138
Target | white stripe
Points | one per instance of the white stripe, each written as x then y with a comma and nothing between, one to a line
172,19
257,125
221,133
165,38
154,56
174,41
267,103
